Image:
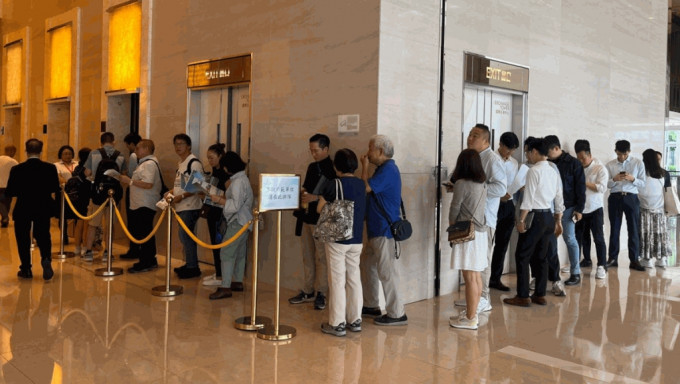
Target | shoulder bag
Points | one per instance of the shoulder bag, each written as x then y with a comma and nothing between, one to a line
401,229
463,231
336,222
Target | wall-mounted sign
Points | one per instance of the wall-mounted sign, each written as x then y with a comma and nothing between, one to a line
348,123
279,192
226,71
482,70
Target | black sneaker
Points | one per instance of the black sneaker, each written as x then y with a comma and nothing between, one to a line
585,263
302,297
320,301
371,311
188,273
335,331
25,274
386,320
355,326
139,267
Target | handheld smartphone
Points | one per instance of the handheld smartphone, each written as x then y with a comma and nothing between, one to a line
573,218
622,173
448,184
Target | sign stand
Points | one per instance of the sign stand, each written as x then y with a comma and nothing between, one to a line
278,193
253,322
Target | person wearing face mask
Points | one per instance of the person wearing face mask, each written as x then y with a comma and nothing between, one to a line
626,177
237,211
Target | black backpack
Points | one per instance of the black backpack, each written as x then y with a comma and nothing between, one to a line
78,187
102,183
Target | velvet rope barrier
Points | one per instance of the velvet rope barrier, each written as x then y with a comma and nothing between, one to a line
75,211
206,245
127,232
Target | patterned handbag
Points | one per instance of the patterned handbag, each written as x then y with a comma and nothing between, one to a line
336,222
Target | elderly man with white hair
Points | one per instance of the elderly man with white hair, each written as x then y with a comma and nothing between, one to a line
379,262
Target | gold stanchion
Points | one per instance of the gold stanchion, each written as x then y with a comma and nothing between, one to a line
109,270
275,331
253,322
168,290
62,226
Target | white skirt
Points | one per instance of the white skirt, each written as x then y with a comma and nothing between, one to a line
471,255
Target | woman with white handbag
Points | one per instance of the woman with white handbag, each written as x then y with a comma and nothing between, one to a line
348,193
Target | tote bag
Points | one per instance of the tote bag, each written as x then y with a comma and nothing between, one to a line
336,222
670,201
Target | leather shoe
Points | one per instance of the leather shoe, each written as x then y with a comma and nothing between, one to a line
128,256
518,301
585,263
499,286
612,264
139,267
237,286
573,280
636,266
540,300
47,269
220,293
25,274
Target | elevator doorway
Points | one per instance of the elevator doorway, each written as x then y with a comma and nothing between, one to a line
219,115
11,130
58,128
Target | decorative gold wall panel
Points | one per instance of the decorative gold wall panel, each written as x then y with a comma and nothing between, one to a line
125,35
60,62
13,65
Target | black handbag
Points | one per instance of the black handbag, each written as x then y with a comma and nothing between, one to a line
401,229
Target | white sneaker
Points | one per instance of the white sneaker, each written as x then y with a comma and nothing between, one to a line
558,288
211,281
601,272
647,263
661,263
464,323
532,284
460,303
483,306
566,269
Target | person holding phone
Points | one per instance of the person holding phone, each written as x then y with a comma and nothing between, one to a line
628,178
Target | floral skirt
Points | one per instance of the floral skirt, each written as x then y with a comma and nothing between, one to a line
653,235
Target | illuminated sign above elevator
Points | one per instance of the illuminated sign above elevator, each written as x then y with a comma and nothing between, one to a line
225,71
485,71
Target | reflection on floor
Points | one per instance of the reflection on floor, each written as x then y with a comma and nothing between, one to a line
80,328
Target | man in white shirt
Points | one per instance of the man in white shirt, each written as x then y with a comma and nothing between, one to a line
145,189
479,139
506,211
541,189
131,140
187,205
6,163
626,176
593,212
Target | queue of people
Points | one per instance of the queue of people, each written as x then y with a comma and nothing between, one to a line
552,194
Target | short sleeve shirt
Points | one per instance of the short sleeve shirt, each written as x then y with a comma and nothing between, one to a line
386,186
95,158
353,189
194,201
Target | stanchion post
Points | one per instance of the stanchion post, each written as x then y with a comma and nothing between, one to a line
168,290
253,322
109,270
62,226
276,331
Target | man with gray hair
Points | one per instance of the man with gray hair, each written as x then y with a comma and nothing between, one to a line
379,261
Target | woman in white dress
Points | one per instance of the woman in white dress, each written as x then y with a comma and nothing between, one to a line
469,203
653,229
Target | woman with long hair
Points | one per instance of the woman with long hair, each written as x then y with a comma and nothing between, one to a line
217,178
653,229
469,203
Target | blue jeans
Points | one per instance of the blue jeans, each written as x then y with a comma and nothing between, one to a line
569,236
190,253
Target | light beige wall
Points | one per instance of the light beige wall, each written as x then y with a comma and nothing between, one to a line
311,62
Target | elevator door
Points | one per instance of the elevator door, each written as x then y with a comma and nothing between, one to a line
501,111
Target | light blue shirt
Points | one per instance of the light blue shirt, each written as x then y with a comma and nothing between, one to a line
633,166
239,196
496,185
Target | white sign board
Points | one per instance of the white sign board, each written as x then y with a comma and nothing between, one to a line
348,123
279,192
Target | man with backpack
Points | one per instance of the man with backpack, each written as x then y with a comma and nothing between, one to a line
187,205
101,160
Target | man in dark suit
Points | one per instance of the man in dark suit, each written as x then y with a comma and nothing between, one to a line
33,182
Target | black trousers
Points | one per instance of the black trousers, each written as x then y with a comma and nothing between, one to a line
532,248
504,227
619,205
141,224
213,217
592,222
41,233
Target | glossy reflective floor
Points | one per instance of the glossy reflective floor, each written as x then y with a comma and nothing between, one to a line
79,328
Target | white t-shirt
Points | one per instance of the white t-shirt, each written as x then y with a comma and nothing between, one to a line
148,172
65,172
6,163
191,202
651,195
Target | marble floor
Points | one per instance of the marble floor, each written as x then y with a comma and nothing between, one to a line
79,328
